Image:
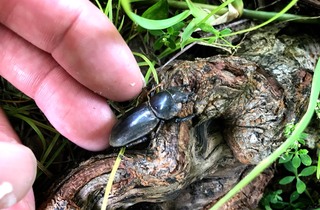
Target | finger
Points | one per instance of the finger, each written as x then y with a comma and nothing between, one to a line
18,172
79,114
26,203
15,160
81,39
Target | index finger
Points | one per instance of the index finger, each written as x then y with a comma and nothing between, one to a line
81,39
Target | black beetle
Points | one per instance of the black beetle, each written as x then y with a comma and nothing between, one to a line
164,105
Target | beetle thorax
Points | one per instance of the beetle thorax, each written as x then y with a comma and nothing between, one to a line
164,106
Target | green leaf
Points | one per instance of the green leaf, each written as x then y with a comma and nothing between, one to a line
301,186
303,151
288,129
286,157
276,196
200,20
156,32
289,167
308,171
301,140
212,39
158,44
296,161
153,24
306,159
303,136
286,180
225,31
238,5
300,205
157,11
197,12
188,31
171,30
150,70
35,126
179,26
294,196
208,28
171,43
267,207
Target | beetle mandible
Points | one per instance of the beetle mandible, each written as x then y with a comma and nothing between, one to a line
140,121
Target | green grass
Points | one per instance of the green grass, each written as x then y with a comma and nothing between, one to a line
32,126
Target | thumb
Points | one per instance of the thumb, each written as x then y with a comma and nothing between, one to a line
17,173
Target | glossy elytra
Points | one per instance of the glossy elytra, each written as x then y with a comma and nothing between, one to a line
164,105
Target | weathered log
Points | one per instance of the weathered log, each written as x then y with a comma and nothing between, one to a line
240,112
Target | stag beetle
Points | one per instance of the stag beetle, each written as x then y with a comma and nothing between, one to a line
164,105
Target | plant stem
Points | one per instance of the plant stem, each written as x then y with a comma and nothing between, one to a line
262,15
252,14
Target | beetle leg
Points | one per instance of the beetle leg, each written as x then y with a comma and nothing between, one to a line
153,89
183,119
160,125
138,141
154,134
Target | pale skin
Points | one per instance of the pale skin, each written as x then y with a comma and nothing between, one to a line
69,58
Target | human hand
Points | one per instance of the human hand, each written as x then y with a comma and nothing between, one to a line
68,57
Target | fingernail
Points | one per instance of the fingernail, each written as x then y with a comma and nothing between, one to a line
143,80
7,197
